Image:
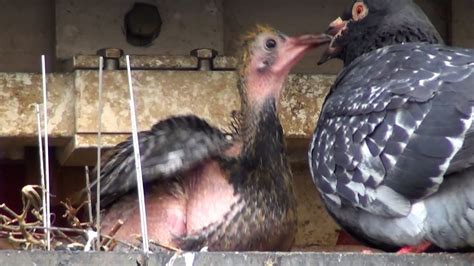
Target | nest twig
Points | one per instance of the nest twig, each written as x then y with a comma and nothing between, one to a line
16,226
26,230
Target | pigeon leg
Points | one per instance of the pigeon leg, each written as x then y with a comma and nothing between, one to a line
420,248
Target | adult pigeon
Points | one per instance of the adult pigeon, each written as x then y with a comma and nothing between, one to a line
393,151
204,189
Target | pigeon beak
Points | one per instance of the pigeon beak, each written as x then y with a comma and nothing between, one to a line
310,40
335,29
336,26
294,48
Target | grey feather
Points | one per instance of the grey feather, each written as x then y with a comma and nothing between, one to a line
397,119
411,179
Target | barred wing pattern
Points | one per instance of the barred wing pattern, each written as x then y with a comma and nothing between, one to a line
172,146
396,121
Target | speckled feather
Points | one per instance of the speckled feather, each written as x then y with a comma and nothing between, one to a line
377,129
392,154
396,122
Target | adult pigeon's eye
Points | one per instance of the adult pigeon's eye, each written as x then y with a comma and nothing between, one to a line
270,44
359,11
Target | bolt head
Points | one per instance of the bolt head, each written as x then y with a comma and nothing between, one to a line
204,53
115,53
142,24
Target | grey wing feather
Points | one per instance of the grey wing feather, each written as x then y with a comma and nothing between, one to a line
172,146
465,157
393,125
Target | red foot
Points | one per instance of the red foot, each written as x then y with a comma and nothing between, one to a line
422,247
367,251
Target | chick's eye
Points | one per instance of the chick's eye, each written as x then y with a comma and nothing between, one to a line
270,44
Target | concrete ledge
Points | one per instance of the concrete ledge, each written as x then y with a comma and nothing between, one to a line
18,93
150,62
72,104
205,258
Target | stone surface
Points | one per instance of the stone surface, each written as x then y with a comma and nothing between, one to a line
225,62
144,62
160,62
20,91
316,229
151,62
231,258
301,103
160,94
73,102
211,95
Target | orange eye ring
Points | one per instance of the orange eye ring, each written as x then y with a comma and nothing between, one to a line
359,11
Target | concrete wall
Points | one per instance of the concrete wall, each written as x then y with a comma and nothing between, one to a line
84,26
64,28
439,12
27,32
462,29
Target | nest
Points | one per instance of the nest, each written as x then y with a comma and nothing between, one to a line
26,230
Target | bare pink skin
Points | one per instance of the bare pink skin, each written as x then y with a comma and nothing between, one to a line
234,150
207,197
166,217
260,89
210,197
269,85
